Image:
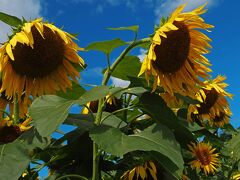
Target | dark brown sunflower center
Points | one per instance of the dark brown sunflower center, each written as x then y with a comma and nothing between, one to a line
211,98
9,133
173,51
204,157
46,56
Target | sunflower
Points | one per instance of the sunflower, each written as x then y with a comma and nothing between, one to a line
9,131
175,57
146,171
213,104
38,59
204,157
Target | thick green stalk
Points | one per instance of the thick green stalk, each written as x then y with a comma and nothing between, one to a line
106,77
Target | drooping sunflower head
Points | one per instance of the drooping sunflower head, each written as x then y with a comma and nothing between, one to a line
9,131
38,59
213,105
142,172
175,57
205,157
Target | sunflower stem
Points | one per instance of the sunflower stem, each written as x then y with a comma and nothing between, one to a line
97,122
16,110
108,61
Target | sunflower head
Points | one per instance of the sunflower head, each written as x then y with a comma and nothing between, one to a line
175,57
9,131
205,157
146,171
213,104
38,59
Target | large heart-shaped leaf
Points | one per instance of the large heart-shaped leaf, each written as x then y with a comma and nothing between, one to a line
48,112
154,138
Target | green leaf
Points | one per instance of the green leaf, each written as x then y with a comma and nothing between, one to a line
106,46
154,138
94,94
154,105
74,93
169,166
138,81
112,120
129,66
10,20
131,28
233,146
14,159
118,91
48,112
135,90
84,121
33,139
182,116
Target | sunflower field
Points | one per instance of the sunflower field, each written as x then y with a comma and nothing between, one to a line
171,122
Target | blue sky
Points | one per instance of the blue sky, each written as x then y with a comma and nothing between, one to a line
90,18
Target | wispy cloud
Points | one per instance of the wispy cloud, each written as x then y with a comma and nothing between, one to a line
28,9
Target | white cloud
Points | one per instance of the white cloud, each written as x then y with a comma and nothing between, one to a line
119,82
142,54
28,9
